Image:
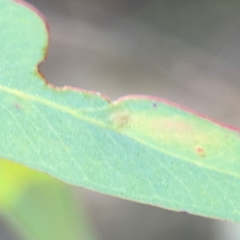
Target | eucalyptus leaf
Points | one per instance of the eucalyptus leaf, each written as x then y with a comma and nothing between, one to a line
138,148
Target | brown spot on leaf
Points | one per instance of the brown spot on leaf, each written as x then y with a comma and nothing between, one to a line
120,120
200,151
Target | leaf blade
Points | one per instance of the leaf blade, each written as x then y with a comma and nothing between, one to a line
138,148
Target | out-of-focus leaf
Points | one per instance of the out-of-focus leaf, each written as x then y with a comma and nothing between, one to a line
138,148
40,207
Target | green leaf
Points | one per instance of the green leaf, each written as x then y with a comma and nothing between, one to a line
40,207
139,148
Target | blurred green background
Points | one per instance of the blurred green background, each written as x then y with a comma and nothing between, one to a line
185,51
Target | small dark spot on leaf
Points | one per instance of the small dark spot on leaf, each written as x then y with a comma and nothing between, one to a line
200,151
154,105
17,105
184,212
